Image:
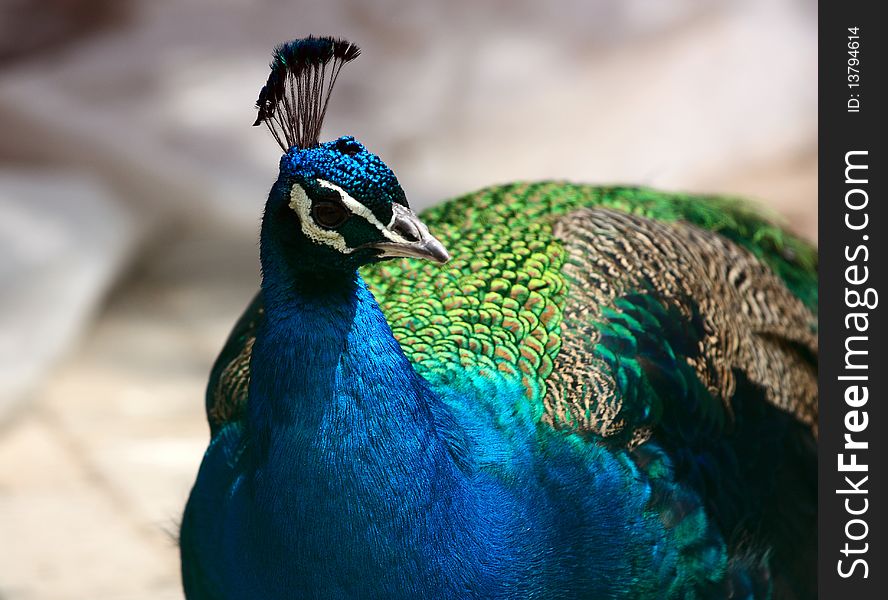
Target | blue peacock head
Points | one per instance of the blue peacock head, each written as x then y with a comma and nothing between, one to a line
335,206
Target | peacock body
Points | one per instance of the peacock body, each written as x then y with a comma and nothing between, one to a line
605,393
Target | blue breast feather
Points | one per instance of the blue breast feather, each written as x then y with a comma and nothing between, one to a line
354,477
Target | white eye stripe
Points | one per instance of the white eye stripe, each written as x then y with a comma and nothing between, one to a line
358,209
300,203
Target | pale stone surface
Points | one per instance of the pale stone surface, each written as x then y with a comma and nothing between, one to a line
66,531
716,97
93,478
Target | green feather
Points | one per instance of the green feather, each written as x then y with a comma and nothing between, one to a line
498,306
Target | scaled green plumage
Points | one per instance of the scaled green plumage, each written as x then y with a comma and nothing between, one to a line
498,306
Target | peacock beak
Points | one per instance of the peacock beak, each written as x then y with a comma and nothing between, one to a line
407,236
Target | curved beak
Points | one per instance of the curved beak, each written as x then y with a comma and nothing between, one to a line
407,236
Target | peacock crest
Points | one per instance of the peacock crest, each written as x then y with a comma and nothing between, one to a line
293,102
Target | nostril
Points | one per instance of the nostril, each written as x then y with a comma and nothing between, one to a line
407,230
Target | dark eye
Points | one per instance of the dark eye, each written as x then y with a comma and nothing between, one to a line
329,214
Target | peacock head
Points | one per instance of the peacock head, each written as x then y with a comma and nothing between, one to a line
335,206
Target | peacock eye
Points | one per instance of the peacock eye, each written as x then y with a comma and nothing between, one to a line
329,214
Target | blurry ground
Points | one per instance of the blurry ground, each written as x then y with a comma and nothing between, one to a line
131,186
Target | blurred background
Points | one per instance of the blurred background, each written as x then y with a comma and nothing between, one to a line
131,186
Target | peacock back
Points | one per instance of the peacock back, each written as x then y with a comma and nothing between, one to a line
604,303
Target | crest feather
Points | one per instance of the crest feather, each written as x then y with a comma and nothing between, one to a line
293,101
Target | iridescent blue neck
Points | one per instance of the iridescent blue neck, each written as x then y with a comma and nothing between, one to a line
340,423
326,355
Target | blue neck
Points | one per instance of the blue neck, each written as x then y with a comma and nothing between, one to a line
341,424
326,358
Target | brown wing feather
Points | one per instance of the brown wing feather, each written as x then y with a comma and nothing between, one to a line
750,320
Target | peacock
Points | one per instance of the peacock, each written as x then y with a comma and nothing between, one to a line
538,390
